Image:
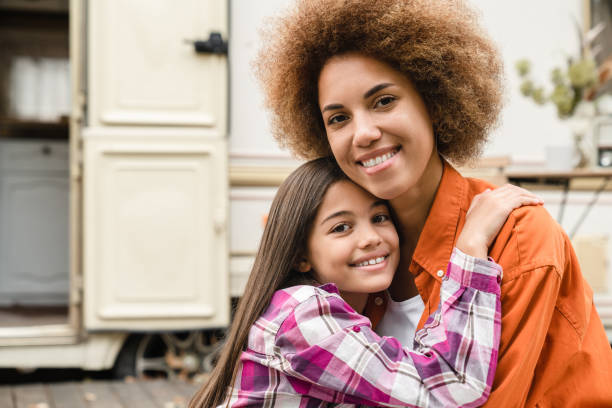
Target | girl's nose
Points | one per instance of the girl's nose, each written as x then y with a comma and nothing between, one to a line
366,131
369,238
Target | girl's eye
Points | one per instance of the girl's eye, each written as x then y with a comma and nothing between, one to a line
337,119
384,101
340,228
380,218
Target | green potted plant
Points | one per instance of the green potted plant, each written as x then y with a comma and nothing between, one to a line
575,89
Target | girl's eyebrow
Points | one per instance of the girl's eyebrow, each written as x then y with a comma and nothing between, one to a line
379,202
336,214
346,212
366,95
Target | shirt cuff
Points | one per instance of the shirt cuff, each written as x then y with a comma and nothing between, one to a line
480,274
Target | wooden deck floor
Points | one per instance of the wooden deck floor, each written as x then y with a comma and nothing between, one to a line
98,394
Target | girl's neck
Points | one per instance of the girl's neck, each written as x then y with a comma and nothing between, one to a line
356,300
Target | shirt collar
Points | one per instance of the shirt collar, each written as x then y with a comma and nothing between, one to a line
329,287
438,236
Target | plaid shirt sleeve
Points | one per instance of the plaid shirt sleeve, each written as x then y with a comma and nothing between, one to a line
330,352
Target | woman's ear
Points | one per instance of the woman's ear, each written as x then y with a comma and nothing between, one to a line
304,266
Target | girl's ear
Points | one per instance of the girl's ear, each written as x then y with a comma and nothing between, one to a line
304,266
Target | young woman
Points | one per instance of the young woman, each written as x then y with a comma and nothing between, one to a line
294,343
397,90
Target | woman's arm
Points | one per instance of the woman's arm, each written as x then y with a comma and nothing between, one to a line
331,353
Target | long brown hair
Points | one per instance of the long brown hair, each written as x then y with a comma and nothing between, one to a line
282,246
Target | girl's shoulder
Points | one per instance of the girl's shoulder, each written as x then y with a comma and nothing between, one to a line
285,300
283,305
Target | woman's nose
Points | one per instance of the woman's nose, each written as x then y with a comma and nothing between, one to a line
366,131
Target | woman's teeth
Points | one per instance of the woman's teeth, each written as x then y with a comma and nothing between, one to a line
372,261
377,160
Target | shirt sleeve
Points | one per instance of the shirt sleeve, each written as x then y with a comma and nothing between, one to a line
330,352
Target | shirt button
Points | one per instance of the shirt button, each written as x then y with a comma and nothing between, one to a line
440,273
378,301
356,329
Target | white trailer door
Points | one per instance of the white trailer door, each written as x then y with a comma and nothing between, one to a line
155,181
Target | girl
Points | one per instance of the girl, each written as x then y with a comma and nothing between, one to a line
397,90
294,343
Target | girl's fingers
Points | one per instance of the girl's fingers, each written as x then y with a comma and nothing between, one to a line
519,201
508,191
503,200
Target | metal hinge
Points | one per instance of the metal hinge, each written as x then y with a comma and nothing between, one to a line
77,290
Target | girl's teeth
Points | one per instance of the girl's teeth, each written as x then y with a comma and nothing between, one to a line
372,261
378,160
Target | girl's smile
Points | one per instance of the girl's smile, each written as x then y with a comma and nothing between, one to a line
353,243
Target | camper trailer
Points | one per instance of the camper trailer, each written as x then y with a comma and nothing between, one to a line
114,184
129,217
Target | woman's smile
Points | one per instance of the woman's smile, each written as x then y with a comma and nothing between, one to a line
378,160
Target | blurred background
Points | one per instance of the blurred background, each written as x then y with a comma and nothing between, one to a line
137,167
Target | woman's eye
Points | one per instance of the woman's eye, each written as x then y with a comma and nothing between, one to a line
336,119
380,218
384,101
341,228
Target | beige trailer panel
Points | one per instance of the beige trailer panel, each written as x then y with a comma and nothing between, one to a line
143,70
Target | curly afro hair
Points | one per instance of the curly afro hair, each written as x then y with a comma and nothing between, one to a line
438,44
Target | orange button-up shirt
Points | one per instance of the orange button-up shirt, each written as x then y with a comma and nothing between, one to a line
553,351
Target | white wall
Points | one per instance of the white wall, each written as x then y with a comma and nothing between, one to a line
544,32
250,139
541,30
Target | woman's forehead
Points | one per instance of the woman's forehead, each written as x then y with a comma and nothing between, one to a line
355,75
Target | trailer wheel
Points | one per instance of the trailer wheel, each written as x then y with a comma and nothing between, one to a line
169,355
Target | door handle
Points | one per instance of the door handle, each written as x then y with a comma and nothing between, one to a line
214,45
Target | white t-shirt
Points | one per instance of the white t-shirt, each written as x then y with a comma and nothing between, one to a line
401,319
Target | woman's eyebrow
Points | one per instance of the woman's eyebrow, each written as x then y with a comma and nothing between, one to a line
332,107
366,95
375,89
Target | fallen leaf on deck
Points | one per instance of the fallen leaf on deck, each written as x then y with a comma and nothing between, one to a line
90,397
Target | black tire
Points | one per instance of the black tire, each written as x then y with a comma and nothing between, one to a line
125,363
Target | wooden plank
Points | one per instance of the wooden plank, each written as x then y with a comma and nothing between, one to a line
99,394
165,394
187,390
6,397
66,395
31,396
133,395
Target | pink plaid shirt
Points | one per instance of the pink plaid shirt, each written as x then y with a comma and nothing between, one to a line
311,349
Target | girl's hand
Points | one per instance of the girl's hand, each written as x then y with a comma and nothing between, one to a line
486,215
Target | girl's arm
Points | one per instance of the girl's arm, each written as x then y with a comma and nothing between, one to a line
330,352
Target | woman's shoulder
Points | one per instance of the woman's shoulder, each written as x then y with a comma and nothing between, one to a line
530,238
530,218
